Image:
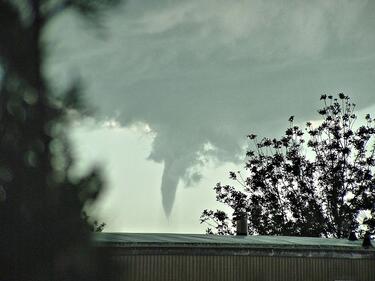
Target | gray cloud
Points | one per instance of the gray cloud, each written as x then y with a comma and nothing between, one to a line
209,71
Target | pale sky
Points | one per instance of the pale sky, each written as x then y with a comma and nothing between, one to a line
183,82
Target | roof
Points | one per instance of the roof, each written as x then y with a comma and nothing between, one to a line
217,241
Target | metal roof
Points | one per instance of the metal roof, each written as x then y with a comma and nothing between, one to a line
205,240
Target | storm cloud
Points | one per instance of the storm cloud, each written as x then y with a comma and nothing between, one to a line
201,74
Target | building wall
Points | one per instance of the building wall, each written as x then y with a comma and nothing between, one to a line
237,268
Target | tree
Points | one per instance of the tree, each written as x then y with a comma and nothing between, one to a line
305,186
42,234
93,225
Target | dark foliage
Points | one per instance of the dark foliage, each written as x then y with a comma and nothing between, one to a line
43,235
93,225
305,186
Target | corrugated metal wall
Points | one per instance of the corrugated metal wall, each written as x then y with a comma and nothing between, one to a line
241,268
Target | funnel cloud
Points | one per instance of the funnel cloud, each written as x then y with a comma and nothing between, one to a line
203,73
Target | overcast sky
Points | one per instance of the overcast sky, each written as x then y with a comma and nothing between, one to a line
178,84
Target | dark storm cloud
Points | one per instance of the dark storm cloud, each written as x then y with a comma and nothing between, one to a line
209,71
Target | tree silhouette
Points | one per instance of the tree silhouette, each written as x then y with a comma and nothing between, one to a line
42,234
314,186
